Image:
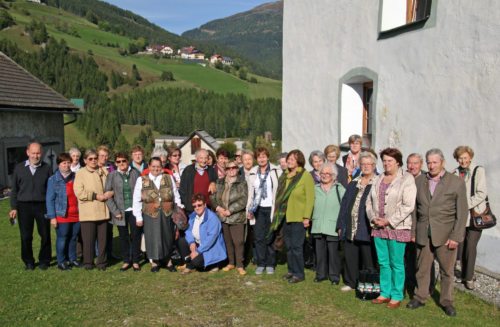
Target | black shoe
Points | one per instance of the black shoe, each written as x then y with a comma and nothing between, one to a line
287,276
138,268
75,264
155,269
450,311
43,266
319,280
63,266
125,267
171,268
295,280
29,266
414,304
335,282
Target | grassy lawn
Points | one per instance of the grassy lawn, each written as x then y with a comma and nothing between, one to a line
93,298
108,58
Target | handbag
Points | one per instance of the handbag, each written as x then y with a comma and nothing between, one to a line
483,220
179,218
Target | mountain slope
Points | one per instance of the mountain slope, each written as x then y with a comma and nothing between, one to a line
256,34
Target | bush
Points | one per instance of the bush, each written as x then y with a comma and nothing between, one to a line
167,76
242,74
253,80
38,32
6,19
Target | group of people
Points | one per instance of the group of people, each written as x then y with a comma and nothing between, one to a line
219,214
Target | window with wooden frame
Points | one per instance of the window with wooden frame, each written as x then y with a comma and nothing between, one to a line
367,108
195,144
396,14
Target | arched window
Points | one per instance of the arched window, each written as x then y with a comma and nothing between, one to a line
357,105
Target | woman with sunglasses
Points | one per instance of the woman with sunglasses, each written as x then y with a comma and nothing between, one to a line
94,214
174,163
230,201
122,183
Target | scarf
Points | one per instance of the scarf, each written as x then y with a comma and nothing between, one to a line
282,198
261,192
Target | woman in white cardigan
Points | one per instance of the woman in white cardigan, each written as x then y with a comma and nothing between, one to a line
262,183
467,251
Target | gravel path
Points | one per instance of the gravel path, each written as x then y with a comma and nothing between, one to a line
486,288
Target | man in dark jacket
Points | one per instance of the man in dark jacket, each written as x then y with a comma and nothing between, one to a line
197,178
27,201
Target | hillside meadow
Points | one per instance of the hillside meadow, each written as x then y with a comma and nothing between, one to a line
91,39
114,298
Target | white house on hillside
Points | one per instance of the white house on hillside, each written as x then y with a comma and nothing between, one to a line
412,74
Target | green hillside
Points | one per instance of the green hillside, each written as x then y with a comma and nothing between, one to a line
256,34
85,37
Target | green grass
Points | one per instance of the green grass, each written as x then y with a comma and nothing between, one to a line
186,74
132,131
93,298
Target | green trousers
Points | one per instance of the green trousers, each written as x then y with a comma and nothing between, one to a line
391,255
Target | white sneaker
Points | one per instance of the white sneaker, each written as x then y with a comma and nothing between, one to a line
346,288
259,270
270,270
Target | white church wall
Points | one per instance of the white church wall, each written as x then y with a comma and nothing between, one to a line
436,85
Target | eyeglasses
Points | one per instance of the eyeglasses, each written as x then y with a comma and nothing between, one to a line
120,161
325,174
198,205
231,168
238,155
92,158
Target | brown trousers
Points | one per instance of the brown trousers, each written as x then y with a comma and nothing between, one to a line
90,231
446,259
234,237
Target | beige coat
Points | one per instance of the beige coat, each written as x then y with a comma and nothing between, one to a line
399,200
478,201
445,212
87,185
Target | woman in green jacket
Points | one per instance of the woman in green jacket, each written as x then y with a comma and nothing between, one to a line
230,201
294,204
328,196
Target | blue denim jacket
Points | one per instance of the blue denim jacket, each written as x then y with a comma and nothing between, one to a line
56,198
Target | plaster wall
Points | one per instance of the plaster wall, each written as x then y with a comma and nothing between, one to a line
436,85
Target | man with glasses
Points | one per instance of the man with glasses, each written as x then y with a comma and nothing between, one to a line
122,183
27,201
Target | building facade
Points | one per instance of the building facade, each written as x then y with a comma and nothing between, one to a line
411,74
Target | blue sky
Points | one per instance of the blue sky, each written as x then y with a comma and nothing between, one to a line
178,16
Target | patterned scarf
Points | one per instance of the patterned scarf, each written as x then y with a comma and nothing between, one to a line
282,198
261,192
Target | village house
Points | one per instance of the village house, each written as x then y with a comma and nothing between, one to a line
191,53
412,74
218,58
159,49
29,110
194,141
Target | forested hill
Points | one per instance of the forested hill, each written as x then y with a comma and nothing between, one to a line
119,21
256,34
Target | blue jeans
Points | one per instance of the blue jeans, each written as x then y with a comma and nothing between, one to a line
67,235
294,236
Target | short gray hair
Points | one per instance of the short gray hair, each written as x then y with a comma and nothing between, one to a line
245,151
316,153
369,155
434,151
200,150
74,150
415,155
330,166
159,152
